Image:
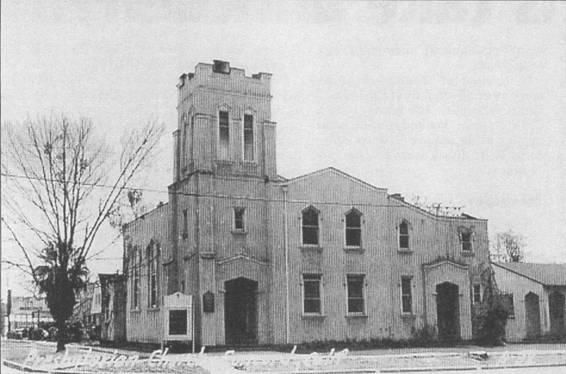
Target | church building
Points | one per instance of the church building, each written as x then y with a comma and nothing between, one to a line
271,260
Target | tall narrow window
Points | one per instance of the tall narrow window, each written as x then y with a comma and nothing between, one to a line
354,229
223,135
404,235
188,139
152,256
310,226
477,293
466,238
406,295
312,293
239,224
355,293
248,137
185,224
184,144
136,281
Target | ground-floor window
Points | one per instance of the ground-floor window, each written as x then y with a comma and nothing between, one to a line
312,293
406,295
477,293
356,303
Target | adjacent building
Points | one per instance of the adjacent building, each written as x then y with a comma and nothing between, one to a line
113,307
537,294
27,311
269,260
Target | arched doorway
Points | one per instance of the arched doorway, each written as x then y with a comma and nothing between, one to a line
240,311
532,313
556,306
448,311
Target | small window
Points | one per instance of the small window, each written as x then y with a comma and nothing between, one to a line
477,294
248,137
312,293
406,295
310,226
185,224
404,235
355,293
353,229
223,135
239,224
466,239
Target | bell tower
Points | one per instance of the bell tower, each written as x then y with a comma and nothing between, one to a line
224,123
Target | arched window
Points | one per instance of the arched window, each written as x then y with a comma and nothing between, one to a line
310,226
353,228
404,235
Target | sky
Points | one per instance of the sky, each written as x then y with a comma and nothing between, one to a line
462,103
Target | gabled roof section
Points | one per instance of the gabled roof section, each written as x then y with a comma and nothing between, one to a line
332,170
545,274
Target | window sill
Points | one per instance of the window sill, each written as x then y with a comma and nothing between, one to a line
313,316
311,247
354,249
356,315
405,251
239,232
467,254
153,309
408,315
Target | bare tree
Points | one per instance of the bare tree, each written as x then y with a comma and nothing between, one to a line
60,184
508,247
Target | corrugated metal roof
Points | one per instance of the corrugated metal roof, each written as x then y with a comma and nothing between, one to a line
546,274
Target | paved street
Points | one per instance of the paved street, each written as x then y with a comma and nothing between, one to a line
549,370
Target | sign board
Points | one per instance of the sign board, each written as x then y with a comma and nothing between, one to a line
178,316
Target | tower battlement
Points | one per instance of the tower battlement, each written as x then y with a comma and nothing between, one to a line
220,75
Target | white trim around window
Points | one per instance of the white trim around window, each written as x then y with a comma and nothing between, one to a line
312,277
363,312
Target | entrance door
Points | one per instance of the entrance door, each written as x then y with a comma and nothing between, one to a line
240,311
556,306
532,311
448,311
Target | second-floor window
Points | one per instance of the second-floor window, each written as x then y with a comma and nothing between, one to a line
466,239
239,223
404,235
185,224
353,229
248,137
310,226
223,135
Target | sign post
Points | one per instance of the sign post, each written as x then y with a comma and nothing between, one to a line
178,318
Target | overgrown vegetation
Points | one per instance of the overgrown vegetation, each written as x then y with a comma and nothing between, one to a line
491,317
